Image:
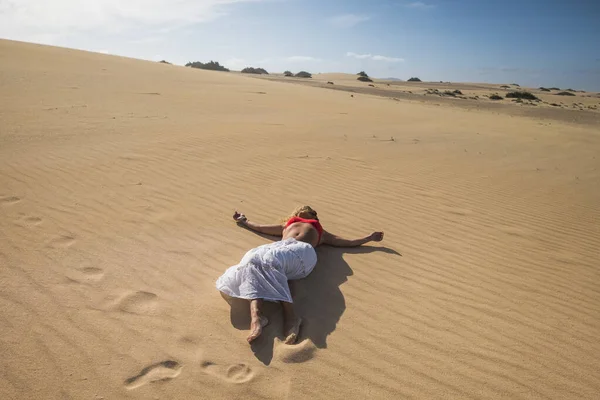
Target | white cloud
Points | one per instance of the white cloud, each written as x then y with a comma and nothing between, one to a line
359,56
49,21
301,59
348,20
387,59
374,57
419,5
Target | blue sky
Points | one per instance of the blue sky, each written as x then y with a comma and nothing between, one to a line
530,42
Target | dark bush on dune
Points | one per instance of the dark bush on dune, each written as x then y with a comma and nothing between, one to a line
414,79
543,89
565,94
164,62
212,65
258,71
288,73
516,84
554,88
363,73
452,93
504,87
303,74
495,97
571,90
521,95
364,79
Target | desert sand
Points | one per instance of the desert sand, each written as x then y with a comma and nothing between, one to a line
118,178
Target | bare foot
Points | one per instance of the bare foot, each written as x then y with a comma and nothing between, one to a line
292,330
256,327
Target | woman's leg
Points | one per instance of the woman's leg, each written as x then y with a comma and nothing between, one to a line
292,322
258,321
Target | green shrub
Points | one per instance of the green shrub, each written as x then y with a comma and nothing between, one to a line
495,96
250,70
414,79
303,74
363,73
521,95
543,89
288,73
212,65
564,94
364,79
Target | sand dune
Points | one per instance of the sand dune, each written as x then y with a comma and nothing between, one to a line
118,178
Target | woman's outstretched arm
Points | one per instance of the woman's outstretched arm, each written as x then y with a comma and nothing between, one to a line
274,230
333,240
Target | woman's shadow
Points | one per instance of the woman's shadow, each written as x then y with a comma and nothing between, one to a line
317,299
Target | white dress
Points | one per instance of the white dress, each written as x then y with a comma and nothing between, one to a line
264,271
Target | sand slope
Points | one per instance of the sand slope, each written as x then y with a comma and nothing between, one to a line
117,181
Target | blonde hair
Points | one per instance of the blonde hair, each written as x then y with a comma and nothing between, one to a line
302,210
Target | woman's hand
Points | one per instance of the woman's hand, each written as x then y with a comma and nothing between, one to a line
376,236
239,218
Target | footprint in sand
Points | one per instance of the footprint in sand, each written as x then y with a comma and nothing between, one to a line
138,303
9,200
86,274
297,353
235,373
162,371
31,220
62,242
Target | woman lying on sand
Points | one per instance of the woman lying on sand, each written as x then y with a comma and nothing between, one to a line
264,272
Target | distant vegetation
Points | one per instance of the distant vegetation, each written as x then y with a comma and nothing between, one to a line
521,95
164,62
363,77
554,88
565,94
212,65
452,93
288,73
414,79
543,89
303,74
505,87
516,84
571,90
250,70
495,96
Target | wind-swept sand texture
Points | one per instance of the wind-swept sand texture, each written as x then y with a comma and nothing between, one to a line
118,178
